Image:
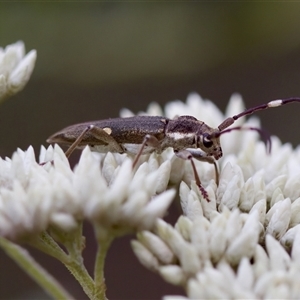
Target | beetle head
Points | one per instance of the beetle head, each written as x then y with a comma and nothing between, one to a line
208,140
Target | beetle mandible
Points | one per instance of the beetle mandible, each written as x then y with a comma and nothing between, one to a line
190,138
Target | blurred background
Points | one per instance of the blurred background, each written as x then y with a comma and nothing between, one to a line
95,58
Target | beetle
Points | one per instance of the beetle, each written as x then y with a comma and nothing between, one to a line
190,138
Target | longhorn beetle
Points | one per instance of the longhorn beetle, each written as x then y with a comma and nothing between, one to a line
189,137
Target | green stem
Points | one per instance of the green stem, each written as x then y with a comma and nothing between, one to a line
104,243
75,265
80,273
45,243
73,262
33,269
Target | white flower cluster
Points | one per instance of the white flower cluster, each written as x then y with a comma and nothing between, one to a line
221,258
15,68
34,197
227,248
235,246
270,276
197,256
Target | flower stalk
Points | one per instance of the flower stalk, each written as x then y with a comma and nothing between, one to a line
21,256
73,261
103,243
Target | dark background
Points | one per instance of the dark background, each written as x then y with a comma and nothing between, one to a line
95,58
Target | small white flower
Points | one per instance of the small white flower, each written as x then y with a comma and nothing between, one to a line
295,213
156,246
172,274
145,256
245,242
279,259
64,221
280,219
183,250
261,261
15,68
245,276
189,202
289,237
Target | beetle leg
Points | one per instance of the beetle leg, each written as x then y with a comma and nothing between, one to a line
209,159
77,142
100,134
149,140
187,155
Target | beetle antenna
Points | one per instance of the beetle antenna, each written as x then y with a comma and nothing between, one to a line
265,136
275,103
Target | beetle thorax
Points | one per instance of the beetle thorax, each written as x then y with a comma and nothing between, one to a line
188,132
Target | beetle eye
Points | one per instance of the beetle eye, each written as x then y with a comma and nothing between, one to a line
207,142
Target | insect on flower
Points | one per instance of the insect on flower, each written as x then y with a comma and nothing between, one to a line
190,138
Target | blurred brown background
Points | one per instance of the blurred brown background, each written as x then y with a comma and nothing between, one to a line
95,58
